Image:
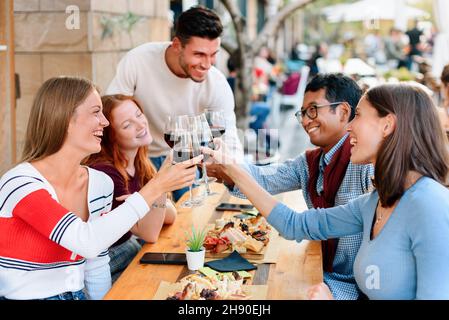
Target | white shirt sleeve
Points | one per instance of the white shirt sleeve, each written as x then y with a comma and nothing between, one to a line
125,78
26,197
89,239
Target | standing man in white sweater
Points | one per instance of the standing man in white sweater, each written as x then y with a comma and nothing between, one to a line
178,77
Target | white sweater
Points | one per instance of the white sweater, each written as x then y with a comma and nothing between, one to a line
144,74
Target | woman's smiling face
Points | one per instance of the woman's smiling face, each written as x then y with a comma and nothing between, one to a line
366,131
86,126
130,126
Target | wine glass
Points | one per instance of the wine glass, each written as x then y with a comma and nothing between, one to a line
172,125
216,121
201,127
186,146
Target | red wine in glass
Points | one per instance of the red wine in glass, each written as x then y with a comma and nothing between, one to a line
169,138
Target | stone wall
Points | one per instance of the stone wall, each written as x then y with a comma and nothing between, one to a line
45,47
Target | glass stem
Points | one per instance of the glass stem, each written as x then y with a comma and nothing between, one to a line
206,179
190,194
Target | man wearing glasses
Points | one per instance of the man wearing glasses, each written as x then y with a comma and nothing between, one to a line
325,174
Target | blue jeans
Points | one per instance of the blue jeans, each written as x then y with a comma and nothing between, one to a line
177,194
121,256
78,295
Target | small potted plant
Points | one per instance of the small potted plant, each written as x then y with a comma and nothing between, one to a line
195,252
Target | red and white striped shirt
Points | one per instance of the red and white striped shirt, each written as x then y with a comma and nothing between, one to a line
43,246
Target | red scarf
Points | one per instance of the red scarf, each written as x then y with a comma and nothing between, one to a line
334,173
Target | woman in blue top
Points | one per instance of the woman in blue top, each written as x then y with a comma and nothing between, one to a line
405,221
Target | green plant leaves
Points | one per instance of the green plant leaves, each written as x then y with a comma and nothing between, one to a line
196,239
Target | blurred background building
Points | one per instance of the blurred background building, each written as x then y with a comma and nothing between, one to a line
40,39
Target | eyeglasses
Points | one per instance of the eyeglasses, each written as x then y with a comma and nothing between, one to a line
312,111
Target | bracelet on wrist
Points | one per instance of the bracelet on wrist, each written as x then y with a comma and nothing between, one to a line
159,205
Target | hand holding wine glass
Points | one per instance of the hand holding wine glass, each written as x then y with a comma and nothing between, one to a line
178,174
217,171
185,149
201,127
171,177
220,155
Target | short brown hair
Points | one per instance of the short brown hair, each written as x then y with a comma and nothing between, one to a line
200,22
417,142
51,112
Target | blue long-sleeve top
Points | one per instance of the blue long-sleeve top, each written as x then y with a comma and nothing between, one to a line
408,259
293,175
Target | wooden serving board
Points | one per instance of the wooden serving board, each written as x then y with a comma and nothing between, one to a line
167,288
250,255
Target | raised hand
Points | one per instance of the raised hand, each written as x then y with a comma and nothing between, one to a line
176,176
216,170
221,155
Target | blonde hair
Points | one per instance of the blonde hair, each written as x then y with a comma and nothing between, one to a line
52,110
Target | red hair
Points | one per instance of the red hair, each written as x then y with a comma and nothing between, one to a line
110,152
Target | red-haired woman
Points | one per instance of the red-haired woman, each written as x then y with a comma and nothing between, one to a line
124,158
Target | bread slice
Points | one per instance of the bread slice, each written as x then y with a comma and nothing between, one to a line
253,244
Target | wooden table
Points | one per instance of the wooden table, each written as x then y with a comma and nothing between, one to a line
298,266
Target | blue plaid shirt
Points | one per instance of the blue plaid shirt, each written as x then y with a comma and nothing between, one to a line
293,175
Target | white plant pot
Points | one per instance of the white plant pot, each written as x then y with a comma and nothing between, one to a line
195,259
